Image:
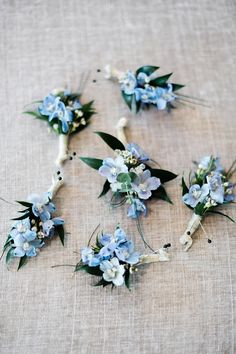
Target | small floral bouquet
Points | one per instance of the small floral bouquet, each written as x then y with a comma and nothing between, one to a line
113,259
144,88
129,176
65,114
209,188
34,227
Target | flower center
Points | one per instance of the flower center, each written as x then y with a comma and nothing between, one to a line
26,246
112,272
21,228
143,187
113,171
50,107
196,194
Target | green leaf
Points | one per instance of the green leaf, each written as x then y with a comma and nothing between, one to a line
161,193
91,270
103,283
36,115
164,175
161,80
92,162
176,87
111,141
26,204
22,262
184,187
199,209
26,215
147,69
222,214
9,255
105,189
127,279
128,99
61,233
124,178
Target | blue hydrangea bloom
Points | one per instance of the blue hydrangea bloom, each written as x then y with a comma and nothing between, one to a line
138,152
25,241
111,168
128,83
136,209
49,226
49,106
196,195
125,252
42,207
88,257
216,187
144,184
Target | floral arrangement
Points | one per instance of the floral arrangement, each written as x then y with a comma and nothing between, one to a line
143,88
129,176
34,227
113,259
65,115
209,188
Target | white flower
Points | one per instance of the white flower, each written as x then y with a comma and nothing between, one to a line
113,271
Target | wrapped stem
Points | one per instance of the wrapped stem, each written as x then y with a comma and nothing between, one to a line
193,225
56,184
160,255
63,149
120,129
113,73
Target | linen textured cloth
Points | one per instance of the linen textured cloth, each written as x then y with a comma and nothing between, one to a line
181,307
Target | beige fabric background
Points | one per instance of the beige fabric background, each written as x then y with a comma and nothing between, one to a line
185,306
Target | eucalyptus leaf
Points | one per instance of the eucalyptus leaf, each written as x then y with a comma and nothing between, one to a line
147,69
111,141
124,178
105,189
92,162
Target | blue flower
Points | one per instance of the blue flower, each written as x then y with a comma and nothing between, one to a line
164,95
144,184
64,115
128,83
216,187
196,195
137,152
143,79
111,168
89,258
146,95
125,252
25,241
49,106
113,271
42,207
49,226
76,104
229,196
110,243
208,162
136,209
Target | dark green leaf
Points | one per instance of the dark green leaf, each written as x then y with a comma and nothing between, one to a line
111,141
222,214
103,283
61,233
199,209
36,115
164,175
127,279
184,187
9,255
128,99
147,69
161,80
22,262
26,204
161,193
91,270
176,87
105,189
26,215
92,162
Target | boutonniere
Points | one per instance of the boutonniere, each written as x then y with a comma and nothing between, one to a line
129,175
35,227
144,88
209,189
65,115
113,258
